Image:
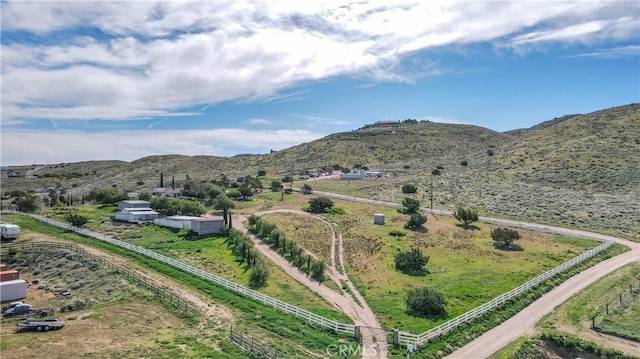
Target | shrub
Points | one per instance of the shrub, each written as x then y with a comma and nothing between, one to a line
464,163
412,261
465,216
409,188
397,233
415,221
409,205
76,219
320,204
504,237
425,302
435,172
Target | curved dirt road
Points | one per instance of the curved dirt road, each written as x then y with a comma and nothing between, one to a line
524,322
373,338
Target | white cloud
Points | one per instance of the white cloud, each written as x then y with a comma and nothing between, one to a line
156,59
614,52
23,146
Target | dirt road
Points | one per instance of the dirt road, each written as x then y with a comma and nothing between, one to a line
524,322
373,338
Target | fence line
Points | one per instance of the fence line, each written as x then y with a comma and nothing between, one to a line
303,314
621,299
165,295
255,347
404,338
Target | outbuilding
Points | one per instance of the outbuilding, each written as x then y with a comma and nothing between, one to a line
136,215
199,225
133,204
13,290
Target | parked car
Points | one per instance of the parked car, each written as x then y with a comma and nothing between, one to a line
10,305
19,309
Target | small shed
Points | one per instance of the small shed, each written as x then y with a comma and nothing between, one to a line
378,218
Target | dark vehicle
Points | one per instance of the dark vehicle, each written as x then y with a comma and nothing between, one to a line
19,309
40,324
11,305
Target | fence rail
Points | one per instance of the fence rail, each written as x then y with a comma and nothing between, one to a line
303,314
163,294
255,347
404,338
621,299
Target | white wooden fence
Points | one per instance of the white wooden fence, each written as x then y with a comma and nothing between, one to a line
404,338
307,316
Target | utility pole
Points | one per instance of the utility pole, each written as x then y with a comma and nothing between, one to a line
431,194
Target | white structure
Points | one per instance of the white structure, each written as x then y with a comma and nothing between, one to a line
167,192
200,225
9,231
133,204
353,175
13,289
135,211
378,218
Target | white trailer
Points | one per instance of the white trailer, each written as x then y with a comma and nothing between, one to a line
12,290
9,231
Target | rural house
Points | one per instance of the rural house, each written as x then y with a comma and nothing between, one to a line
167,192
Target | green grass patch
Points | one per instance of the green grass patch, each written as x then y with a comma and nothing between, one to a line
464,334
463,265
579,311
292,333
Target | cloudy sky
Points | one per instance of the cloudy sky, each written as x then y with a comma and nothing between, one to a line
121,80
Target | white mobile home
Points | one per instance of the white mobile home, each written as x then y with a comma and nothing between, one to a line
133,204
136,215
13,289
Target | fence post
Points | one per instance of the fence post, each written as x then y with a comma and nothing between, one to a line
620,298
607,309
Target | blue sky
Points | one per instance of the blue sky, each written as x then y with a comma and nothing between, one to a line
122,80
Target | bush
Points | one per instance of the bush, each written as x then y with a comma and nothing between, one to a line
409,188
259,274
425,302
464,163
306,189
466,216
76,219
504,237
436,172
415,221
276,186
411,262
397,233
409,205
320,204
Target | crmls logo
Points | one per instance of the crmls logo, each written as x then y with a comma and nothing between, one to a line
350,350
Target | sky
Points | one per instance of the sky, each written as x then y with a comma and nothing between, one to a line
120,80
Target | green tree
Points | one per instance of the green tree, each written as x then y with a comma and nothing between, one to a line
425,302
77,220
224,204
276,186
320,204
213,192
306,189
27,203
410,205
262,173
411,262
409,188
259,274
415,221
144,196
504,237
466,216
190,208
317,269
245,191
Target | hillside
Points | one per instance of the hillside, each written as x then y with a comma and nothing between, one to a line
571,170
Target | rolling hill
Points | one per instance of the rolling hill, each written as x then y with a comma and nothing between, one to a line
573,170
